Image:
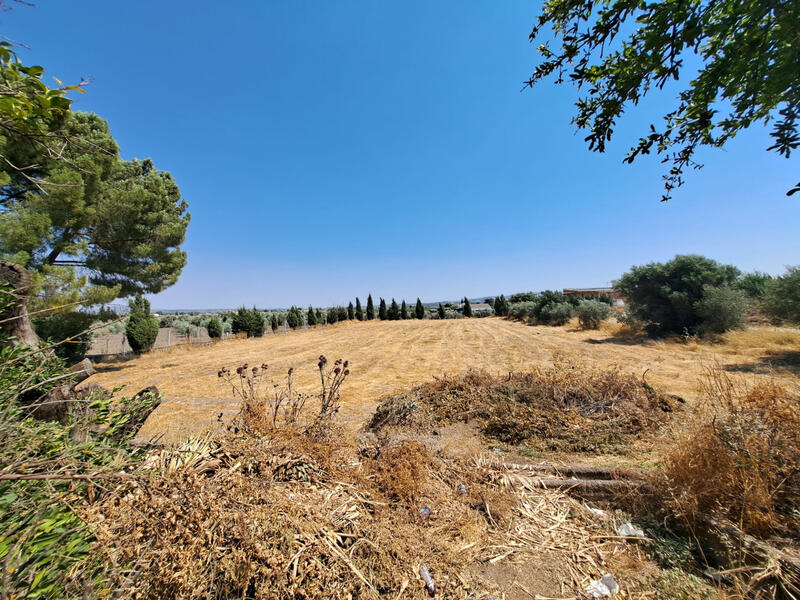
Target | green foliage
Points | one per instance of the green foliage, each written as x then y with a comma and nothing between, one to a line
351,313
311,317
370,308
665,296
521,310
249,321
336,314
214,328
393,314
68,328
556,313
294,317
359,310
522,297
419,310
592,312
440,311
45,547
273,322
616,52
722,309
121,220
467,307
404,310
501,306
142,327
319,316
754,284
382,310
782,298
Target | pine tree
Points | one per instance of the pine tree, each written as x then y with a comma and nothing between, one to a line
382,310
359,310
441,311
312,318
394,311
403,310
467,307
419,310
350,312
370,308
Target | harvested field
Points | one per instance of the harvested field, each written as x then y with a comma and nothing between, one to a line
392,356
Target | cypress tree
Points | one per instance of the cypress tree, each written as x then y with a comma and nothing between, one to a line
350,312
359,310
441,311
312,318
394,311
403,310
273,322
370,308
467,307
318,315
382,310
419,310
142,327
501,306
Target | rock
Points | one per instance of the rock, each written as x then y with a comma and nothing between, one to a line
83,370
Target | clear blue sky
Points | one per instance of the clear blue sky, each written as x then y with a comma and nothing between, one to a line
332,149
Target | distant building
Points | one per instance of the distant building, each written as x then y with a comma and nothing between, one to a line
618,299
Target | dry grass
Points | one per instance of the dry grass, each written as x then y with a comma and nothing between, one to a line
392,356
738,456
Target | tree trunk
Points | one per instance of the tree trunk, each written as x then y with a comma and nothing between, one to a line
16,324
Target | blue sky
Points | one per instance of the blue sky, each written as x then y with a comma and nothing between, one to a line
333,149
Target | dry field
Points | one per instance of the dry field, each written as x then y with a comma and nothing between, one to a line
391,356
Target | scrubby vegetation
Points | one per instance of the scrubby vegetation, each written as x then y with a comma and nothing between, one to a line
248,321
592,312
782,297
142,327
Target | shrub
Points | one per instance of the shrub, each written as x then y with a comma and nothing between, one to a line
665,296
214,328
754,284
722,309
592,312
69,328
501,306
782,297
336,314
142,327
294,318
520,310
249,321
556,313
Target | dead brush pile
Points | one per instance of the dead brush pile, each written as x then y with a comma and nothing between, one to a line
561,408
295,511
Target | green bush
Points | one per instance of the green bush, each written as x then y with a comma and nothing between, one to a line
249,321
520,310
722,309
665,296
522,297
556,313
311,317
754,284
273,322
294,318
142,327
68,328
214,328
592,312
501,306
336,314
782,297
